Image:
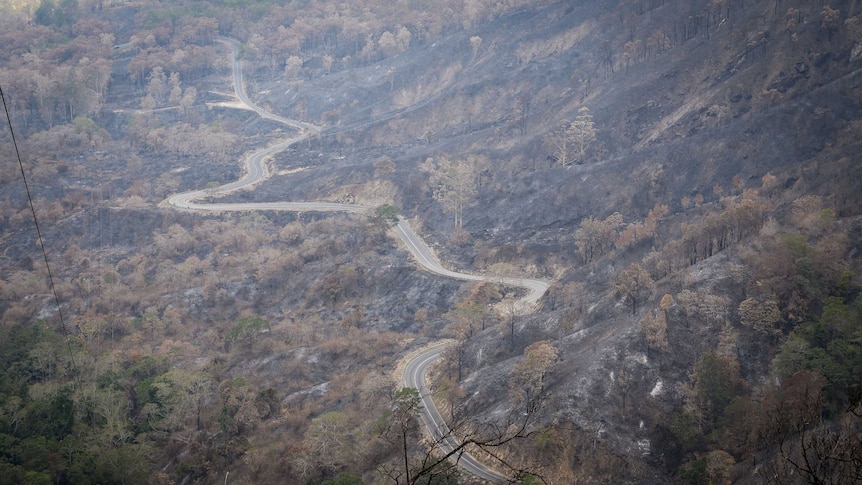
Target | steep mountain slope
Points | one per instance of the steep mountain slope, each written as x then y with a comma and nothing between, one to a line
703,322
728,91
693,104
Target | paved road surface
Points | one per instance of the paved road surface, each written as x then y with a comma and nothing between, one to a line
256,171
414,376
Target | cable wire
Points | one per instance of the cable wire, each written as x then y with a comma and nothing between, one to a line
39,232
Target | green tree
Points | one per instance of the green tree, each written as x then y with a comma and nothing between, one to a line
694,472
388,214
247,330
831,347
174,401
45,13
52,417
716,385
123,465
56,14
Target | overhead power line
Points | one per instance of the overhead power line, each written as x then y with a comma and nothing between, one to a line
38,231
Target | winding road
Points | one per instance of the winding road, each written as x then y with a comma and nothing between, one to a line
417,366
414,376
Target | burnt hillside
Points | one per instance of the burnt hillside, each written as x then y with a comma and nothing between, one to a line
684,174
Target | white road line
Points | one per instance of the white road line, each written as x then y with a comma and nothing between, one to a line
256,171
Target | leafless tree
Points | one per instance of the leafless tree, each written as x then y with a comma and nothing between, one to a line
439,459
570,142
